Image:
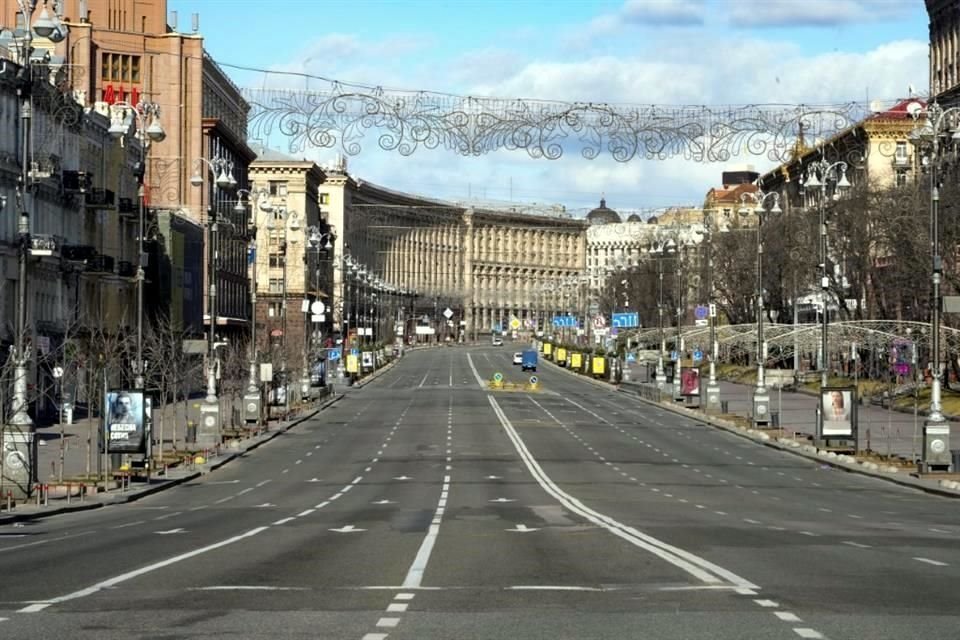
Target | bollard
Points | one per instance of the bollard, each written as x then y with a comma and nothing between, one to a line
83,492
69,493
9,500
46,495
39,489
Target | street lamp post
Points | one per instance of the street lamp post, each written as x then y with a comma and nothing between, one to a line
941,129
317,241
660,250
208,435
713,389
761,397
259,203
820,174
146,116
18,445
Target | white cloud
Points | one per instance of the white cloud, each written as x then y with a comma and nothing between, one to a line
664,12
814,13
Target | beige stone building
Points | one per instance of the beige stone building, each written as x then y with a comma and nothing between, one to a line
287,268
944,50
486,266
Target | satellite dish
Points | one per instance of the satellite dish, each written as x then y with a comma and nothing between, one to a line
914,109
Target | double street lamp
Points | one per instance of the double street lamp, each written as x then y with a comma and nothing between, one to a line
764,203
146,117
317,241
222,171
936,138
19,453
662,250
820,175
260,203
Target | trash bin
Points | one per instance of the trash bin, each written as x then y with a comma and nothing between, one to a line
724,406
774,419
955,456
191,431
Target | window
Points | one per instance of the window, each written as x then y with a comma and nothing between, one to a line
324,198
276,285
274,237
276,260
901,177
275,309
120,67
278,187
901,153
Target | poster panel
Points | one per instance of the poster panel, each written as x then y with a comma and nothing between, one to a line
124,422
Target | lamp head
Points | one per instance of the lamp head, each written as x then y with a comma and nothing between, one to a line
44,26
223,180
155,132
196,180
812,180
117,129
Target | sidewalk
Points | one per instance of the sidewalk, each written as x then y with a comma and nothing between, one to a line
795,405
65,501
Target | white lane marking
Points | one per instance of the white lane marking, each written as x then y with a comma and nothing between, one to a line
348,529
374,636
809,533
805,632
720,513
855,516
935,563
503,500
298,462
418,568
388,622
284,520
396,607
522,528
322,504
114,581
858,545
474,369
404,596
285,471
696,566
247,490
938,530
246,587
130,524
171,531
786,616
749,521
560,587
305,513
34,608
767,603
420,386
222,500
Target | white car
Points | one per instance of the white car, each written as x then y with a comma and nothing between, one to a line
518,358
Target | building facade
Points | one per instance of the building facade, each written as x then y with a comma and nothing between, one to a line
944,18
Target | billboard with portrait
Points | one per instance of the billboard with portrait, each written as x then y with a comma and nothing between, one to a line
838,412
689,381
124,423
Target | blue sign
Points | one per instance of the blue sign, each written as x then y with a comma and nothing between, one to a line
631,358
251,255
701,312
627,320
355,352
333,354
569,322
673,355
697,355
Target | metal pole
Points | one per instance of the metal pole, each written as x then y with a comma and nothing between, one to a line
138,370
761,355
824,286
283,327
661,374
212,307
937,268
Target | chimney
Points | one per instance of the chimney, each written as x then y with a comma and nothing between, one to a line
196,22
173,21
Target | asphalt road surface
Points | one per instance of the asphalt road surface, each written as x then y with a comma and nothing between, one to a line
423,506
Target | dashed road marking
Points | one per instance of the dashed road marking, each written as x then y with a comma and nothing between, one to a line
935,563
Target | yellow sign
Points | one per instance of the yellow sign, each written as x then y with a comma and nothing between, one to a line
547,348
515,324
599,365
561,354
353,364
576,360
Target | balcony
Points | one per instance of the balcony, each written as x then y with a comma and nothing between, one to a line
126,208
100,264
100,199
78,252
76,181
901,160
126,269
43,245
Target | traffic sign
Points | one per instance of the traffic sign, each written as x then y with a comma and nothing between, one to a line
448,313
569,322
697,355
534,379
333,354
498,377
701,322
514,323
626,320
701,312
317,307
599,321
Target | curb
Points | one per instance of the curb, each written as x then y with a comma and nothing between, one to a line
376,374
837,464
166,484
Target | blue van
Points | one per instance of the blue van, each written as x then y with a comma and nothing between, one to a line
529,360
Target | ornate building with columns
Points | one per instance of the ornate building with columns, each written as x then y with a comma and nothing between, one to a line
422,256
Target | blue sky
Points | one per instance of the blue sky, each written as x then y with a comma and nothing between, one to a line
620,51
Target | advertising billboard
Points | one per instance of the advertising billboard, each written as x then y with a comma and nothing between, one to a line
124,423
689,381
838,412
